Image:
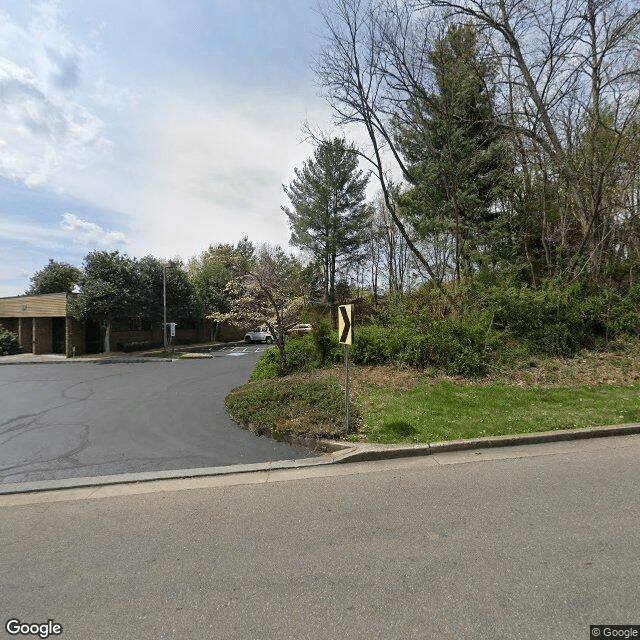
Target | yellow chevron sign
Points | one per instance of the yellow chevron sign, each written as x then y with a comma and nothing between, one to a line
345,324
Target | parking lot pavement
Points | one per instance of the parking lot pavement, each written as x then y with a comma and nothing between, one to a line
110,417
241,350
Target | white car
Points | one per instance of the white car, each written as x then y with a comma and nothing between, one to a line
300,330
261,334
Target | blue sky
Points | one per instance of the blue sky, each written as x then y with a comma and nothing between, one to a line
149,126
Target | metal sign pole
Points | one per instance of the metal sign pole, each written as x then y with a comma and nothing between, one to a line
346,389
345,336
164,305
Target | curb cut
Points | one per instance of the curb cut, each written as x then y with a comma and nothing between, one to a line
335,452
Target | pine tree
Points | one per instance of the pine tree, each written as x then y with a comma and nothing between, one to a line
454,150
328,216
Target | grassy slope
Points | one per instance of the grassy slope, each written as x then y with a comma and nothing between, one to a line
445,411
405,405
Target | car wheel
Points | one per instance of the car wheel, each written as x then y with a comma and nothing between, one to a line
268,339
247,339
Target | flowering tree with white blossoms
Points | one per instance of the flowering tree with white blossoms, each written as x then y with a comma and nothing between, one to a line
268,289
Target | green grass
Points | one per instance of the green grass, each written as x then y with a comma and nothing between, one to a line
444,411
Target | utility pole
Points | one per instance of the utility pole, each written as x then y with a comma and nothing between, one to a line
164,303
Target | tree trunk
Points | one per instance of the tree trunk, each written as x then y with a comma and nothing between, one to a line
332,292
283,355
107,336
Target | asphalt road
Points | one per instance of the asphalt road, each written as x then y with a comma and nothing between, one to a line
532,543
87,419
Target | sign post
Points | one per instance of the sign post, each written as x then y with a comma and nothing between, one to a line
345,337
172,333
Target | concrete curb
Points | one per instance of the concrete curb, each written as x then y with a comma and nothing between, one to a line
337,452
369,452
7,488
48,358
114,360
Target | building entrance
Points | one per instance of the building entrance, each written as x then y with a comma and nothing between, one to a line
93,337
58,336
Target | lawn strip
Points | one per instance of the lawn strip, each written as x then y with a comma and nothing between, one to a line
445,411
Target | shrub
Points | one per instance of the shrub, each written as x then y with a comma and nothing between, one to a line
301,353
498,319
290,406
371,345
624,317
267,366
545,319
456,346
326,343
8,342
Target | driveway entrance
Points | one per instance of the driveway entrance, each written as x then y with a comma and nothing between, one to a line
86,419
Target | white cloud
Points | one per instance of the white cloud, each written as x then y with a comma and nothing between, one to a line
217,169
179,164
30,233
44,129
70,229
89,233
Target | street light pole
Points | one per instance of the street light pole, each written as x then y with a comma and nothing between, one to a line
164,304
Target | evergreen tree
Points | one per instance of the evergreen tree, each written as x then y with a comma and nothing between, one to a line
328,216
456,157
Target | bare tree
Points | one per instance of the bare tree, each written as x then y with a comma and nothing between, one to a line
568,90
570,78
357,73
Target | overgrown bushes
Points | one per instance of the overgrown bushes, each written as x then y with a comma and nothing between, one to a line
492,324
313,408
303,353
8,342
458,348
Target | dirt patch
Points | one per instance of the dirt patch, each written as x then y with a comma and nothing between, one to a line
620,364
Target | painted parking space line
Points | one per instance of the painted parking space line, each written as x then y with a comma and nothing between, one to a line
240,350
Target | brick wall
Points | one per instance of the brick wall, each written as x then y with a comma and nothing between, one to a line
229,333
75,337
10,324
123,337
42,335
